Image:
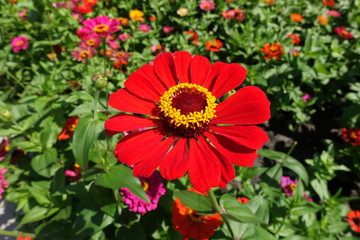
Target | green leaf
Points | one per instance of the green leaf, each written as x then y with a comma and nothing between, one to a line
40,191
120,176
200,203
321,188
38,213
302,210
86,133
259,206
43,163
237,211
263,234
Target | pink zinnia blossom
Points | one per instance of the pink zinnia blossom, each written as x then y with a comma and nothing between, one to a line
20,43
295,52
333,13
144,28
113,43
82,53
341,32
288,185
4,148
23,13
154,189
167,29
157,48
75,175
77,16
103,26
207,5
306,97
237,14
120,56
91,40
3,183
124,36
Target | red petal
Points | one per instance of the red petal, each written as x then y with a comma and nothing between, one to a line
199,69
164,68
176,162
204,171
144,84
248,136
213,73
136,146
127,102
238,154
125,122
249,105
182,63
153,158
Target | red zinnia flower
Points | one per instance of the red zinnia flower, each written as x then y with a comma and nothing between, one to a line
295,38
329,3
84,8
214,46
69,128
343,33
273,50
351,135
296,17
243,200
194,36
192,225
353,218
186,130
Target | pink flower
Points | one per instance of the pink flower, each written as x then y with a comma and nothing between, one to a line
23,13
157,48
295,52
124,36
288,185
153,188
20,43
333,13
75,175
3,183
207,5
167,29
82,53
144,28
237,14
306,97
77,16
113,43
103,26
341,32
91,40
4,148
120,56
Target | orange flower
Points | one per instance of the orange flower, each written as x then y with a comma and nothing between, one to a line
192,225
329,3
353,218
322,20
295,38
296,17
194,36
273,50
243,200
120,65
91,3
152,18
270,2
69,128
23,238
123,21
136,15
214,46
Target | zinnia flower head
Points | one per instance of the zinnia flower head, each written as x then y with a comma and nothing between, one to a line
124,36
4,148
123,21
69,128
23,13
333,13
295,38
120,56
102,26
3,183
295,52
288,185
243,200
192,225
74,175
167,29
296,17
237,14
207,5
353,218
20,43
157,48
272,50
351,135
343,33
91,40
82,53
144,28
136,15
214,46
91,3
329,3
182,12
152,18
194,36
84,8
120,65
306,97
322,20
186,129
270,2
154,189
24,238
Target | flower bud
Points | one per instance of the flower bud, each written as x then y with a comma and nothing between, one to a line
100,81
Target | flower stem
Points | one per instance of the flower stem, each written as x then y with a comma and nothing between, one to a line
218,209
293,145
96,99
16,234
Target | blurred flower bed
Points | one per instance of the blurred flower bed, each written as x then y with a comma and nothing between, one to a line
72,162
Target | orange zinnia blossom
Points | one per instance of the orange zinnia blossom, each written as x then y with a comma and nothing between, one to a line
273,50
192,225
322,20
295,38
329,3
136,15
243,200
296,17
214,46
353,218
194,36
183,128
69,128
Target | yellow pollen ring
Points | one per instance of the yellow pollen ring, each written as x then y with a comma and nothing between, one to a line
192,120
101,28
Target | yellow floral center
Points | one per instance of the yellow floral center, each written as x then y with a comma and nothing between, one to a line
76,165
144,185
84,54
344,32
273,48
72,127
20,43
90,42
188,108
194,217
5,148
292,186
101,28
296,53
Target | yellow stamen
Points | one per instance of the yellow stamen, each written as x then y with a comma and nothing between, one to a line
76,165
145,185
292,186
72,127
84,54
101,28
195,218
90,42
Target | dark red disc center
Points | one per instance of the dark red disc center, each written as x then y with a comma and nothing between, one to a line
189,102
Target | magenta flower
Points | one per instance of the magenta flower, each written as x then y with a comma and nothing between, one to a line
306,97
333,13
23,13
167,29
288,185
295,52
75,175
3,183
154,189
120,56
20,43
91,40
124,36
4,148
81,54
144,28
343,33
113,43
207,5
157,49
103,26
